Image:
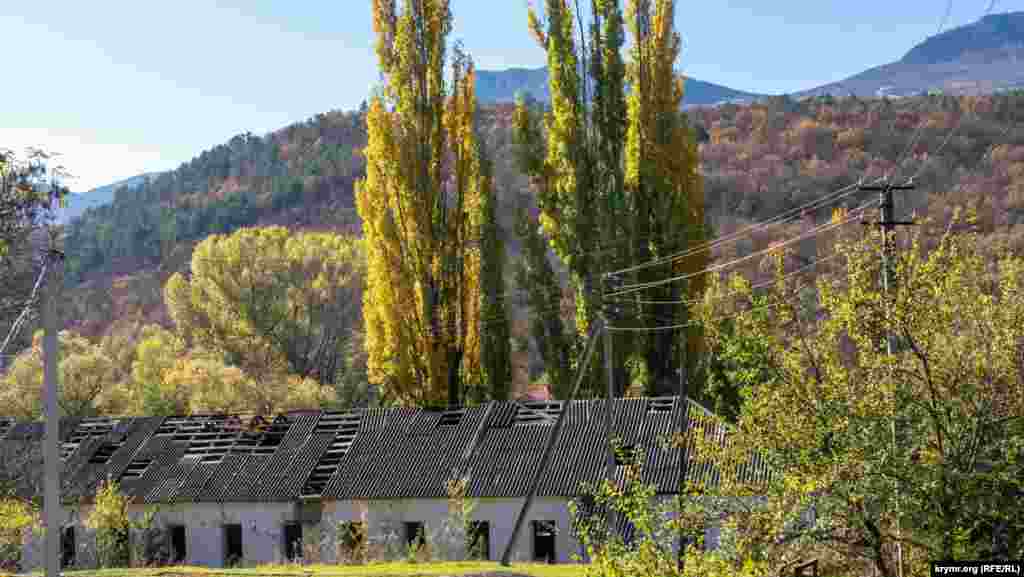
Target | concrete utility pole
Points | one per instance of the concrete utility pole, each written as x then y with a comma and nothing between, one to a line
609,313
595,332
888,286
51,481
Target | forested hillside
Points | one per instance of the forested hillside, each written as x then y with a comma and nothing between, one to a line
758,161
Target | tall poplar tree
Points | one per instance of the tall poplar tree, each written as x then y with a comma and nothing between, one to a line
495,339
420,208
615,170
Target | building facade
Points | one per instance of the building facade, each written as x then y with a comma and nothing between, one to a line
238,489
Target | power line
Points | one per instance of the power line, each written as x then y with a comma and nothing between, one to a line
746,231
811,233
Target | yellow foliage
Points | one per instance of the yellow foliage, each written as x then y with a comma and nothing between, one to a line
85,376
420,207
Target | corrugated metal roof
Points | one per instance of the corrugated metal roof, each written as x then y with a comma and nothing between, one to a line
376,453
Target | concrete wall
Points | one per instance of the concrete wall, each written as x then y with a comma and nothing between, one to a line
262,532
263,524
33,553
500,513
262,529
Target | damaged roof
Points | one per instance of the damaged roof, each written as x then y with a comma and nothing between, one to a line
377,453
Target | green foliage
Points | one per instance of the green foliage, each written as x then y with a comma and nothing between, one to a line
85,376
29,189
922,447
537,279
617,170
272,303
16,517
109,519
496,338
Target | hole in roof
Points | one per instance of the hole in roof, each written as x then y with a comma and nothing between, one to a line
537,413
86,429
451,418
136,468
660,405
627,455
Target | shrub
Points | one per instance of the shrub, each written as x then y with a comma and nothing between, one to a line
16,516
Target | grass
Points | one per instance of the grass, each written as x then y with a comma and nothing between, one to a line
369,570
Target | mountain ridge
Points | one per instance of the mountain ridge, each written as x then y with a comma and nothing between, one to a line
983,57
501,86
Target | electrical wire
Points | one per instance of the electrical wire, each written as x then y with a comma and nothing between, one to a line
812,232
699,323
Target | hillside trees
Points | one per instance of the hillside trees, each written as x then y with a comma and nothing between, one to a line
611,164
421,209
923,447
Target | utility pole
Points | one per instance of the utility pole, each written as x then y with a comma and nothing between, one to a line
609,312
888,288
684,456
595,332
51,481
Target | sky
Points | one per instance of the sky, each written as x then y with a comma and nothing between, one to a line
122,87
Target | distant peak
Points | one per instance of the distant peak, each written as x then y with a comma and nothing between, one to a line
992,33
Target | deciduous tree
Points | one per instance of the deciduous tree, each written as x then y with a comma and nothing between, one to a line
420,206
923,447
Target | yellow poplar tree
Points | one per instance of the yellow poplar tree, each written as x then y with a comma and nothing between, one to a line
420,207
665,187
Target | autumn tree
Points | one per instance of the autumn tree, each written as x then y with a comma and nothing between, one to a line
272,302
420,205
85,380
924,447
615,170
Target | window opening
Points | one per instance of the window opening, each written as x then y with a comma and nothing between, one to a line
67,547
232,545
414,534
179,547
292,541
544,541
479,540
6,425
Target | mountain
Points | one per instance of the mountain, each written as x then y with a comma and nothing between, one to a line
78,202
501,86
984,57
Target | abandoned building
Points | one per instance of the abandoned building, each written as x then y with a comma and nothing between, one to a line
227,489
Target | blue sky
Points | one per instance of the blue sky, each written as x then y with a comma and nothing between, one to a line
121,87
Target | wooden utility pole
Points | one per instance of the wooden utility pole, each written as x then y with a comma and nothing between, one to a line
888,288
552,438
51,482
